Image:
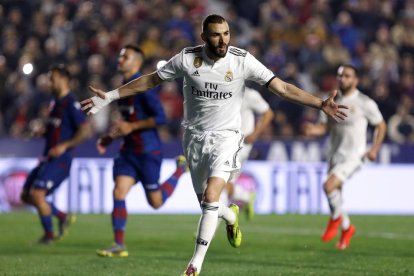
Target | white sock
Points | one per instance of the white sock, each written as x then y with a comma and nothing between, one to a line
224,197
226,214
240,194
346,222
335,203
206,229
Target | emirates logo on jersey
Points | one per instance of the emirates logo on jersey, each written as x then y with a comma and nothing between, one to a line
198,61
228,76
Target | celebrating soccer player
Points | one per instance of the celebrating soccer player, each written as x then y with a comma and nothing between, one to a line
214,84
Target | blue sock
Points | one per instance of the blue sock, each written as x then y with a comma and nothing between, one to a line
119,219
56,212
47,225
167,188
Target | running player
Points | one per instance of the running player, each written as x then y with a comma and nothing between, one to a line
66,127
348,148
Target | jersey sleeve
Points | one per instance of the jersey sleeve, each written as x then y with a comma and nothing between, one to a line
256,101
78,117
372,112
173,68
255,70
155,107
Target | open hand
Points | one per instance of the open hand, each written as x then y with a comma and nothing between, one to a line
95,103
332,109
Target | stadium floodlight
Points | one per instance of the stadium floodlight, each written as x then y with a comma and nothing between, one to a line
161,63
27,68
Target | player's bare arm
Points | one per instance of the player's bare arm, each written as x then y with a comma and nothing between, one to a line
264,120
102,98
84,132
294,94
378,139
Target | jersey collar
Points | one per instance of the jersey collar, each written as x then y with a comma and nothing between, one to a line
209,60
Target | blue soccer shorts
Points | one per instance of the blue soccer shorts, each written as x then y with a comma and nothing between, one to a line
48,175
142,167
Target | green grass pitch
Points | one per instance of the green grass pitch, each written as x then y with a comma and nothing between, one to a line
163,244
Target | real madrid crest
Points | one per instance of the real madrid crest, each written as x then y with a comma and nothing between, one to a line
228,76
198,61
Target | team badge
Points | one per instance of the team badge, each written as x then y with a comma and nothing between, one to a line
228,76
197,62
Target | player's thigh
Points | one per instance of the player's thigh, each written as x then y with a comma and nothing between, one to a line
345,170
52,173
193,144
224,153
148,169
124,166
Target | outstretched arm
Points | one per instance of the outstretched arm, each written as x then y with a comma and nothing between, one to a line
133,87
294,94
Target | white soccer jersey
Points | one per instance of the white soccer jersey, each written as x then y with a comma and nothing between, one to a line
213,91
348,138
253,103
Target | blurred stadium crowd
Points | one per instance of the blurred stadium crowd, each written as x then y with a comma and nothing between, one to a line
302,41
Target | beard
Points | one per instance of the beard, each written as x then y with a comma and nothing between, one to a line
345,88
215,49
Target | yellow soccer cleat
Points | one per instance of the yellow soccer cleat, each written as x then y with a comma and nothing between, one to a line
114,251
181,162
234,234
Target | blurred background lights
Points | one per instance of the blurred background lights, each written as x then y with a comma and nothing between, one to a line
27,68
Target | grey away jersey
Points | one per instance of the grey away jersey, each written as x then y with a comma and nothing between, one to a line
213,91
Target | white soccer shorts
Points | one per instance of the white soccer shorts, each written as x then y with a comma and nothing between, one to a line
344,170
211,153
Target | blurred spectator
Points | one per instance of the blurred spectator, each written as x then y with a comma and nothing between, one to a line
302,41
385,55
401,124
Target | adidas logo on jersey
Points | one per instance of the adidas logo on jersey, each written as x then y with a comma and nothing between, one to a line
196,74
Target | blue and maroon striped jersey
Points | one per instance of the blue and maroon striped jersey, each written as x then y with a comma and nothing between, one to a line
63,122
141,107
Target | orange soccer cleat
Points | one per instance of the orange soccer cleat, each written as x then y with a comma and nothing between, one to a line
331,229
346,237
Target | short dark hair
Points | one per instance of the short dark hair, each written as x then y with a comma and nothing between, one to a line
61,69
134,48
350,66
212,18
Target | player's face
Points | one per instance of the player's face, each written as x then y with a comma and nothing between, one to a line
347,79
55,79
217,38
127,61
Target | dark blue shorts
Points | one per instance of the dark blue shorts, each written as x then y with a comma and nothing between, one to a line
48,175
143,167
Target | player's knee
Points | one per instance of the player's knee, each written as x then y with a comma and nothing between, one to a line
156,204
119,194
25,197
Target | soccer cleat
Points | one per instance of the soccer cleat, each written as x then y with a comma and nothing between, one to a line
114,251
190,271
234,234
249,209
181,162
331,229
44,240
65,224
346,237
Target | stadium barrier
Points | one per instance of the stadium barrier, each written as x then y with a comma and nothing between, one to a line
281,188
